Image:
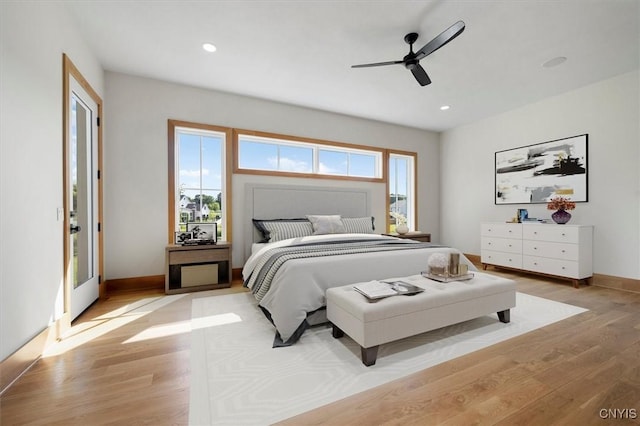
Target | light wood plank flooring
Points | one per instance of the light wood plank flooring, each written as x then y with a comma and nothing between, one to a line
562,374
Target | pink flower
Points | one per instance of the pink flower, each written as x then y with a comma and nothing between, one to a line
561,203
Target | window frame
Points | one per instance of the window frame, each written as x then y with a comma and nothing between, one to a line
173,178
316,145
413,207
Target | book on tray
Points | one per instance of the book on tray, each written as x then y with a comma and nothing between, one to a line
380,289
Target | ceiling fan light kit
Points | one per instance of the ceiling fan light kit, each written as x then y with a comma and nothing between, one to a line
411,61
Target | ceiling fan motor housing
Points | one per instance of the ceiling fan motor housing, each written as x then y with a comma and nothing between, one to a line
409,62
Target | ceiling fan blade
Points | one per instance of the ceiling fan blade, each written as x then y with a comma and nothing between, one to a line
377,64
445,37
421,75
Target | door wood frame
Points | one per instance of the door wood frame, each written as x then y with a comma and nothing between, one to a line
71,71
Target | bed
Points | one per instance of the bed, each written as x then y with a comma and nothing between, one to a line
291,265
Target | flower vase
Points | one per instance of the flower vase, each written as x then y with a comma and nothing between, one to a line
402,229
561,216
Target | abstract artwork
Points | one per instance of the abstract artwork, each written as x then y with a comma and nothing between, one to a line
536,173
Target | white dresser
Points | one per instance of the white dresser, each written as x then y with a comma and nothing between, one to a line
558,250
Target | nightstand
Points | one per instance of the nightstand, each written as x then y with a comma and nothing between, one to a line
201,267
413,235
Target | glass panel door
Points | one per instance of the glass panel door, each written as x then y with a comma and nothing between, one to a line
83,217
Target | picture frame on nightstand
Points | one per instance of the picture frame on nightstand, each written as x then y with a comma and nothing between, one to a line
204,233
182,237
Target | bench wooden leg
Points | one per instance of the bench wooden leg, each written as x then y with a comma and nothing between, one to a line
336,332
369,355
505,316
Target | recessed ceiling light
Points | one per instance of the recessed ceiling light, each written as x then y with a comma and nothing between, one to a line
209,47
554,62
444,107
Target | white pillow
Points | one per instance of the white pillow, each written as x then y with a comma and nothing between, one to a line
326,224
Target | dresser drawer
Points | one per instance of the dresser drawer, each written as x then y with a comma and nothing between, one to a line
502,244
564,251
501,230
512,260
563,268
554,233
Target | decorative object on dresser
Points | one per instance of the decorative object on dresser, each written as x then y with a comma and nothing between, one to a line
560,251
535,173
413,235
197,267
561,205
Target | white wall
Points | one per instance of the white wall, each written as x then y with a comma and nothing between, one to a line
609,112
33,37
135,153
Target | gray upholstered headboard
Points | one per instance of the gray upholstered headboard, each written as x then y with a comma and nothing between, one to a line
287,202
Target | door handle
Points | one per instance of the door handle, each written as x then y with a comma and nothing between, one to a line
73,229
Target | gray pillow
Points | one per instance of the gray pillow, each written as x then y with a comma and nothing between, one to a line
358,225
273,230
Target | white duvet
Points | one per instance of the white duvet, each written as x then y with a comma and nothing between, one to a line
299,286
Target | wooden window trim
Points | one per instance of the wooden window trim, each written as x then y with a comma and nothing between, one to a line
237,169
388,154
228,163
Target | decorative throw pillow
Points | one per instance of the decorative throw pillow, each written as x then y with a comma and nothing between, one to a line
326,224
358,225
273,230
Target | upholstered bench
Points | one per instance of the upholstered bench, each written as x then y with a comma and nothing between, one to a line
372,323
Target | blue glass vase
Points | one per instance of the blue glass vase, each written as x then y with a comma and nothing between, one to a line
561,217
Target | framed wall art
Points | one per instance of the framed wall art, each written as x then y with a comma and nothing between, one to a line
536,173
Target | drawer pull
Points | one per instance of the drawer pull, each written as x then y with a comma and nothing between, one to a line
509,245
563,234
535,248
562,251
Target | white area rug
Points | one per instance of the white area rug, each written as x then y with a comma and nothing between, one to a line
237,378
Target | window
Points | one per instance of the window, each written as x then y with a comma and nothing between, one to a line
278,154
402,198
198,181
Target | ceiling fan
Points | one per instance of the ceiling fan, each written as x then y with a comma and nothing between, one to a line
412,60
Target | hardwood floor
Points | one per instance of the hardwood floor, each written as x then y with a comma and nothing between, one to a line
135,370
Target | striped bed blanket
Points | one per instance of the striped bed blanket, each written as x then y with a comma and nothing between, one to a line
259,281
289,278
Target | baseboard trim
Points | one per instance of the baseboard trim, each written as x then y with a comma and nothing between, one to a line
135,283
19,362
616,283
236,274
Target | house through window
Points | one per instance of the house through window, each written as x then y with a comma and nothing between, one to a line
199,175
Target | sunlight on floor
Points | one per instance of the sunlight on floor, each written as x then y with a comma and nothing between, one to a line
215,320
163,330
89,330
184,326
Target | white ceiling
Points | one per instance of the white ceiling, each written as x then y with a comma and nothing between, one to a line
301,52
